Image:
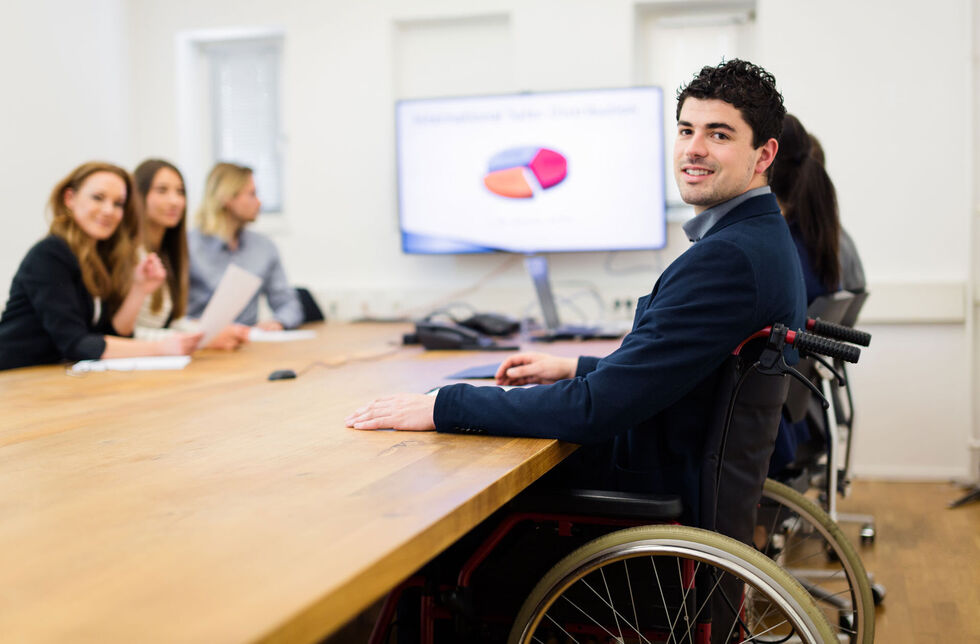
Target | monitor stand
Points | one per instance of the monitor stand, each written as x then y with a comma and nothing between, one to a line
537,268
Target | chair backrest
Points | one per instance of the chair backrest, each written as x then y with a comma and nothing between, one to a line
311,312
831,308
744,450
851,314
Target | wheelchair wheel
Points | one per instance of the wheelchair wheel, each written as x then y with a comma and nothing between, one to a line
668,583
807,543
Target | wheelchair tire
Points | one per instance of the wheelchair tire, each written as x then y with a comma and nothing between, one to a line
631,555
818,554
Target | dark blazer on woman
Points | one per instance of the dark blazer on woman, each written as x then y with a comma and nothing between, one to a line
642,411
50,315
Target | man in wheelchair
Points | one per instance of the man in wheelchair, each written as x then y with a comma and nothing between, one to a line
640,412
643,414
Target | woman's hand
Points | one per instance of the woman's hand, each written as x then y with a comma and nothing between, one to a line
270,325
231,337
149,274
179,344
535,368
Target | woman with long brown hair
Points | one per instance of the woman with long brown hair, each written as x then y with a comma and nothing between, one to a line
808,200
162,205
807,197
78,291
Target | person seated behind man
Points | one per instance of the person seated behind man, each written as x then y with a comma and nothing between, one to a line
851,269
808,200
641,412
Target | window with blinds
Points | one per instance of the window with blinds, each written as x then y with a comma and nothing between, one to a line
245,110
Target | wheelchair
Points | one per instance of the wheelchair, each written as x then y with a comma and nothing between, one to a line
619,578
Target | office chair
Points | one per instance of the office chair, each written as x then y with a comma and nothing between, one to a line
832,426
704,601
845,421
822,423
311,311
825,460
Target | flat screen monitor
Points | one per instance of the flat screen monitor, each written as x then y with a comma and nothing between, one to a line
533,172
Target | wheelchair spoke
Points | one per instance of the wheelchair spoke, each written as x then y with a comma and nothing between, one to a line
663,600
758,635
567,634
581,610
629,585
687,618
615,612
762,618
707,598
741,607
602,572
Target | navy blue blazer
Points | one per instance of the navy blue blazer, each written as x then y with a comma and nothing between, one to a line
642,411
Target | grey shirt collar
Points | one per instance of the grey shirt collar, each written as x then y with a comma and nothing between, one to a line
699,226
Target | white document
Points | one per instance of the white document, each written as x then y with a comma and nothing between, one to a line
235,290
149,363
435,391
261,335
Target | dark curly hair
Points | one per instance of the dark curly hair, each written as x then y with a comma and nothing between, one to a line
750,88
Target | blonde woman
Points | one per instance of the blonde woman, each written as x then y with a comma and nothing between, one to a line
162,204
79,290
222,238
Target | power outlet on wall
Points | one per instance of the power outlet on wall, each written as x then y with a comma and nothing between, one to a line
622,307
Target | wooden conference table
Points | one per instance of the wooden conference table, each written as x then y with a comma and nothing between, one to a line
213,505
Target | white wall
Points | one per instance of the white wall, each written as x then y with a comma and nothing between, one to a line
873,80
340,231
886,85
913,398
64,68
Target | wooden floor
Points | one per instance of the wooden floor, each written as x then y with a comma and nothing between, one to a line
926,555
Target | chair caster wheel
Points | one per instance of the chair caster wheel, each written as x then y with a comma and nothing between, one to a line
878,593
867,534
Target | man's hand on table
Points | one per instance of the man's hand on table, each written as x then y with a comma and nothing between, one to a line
411,412
414,412
535,368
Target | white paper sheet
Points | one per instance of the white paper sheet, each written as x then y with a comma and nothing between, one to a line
261,335
235,290
148,363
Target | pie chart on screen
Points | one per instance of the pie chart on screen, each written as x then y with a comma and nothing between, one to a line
520,173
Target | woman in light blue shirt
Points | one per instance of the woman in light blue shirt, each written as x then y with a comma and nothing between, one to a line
222,238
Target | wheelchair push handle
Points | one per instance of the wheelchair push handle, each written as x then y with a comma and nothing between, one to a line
811,343
838,332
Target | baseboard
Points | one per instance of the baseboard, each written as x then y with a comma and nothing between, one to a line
912,473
